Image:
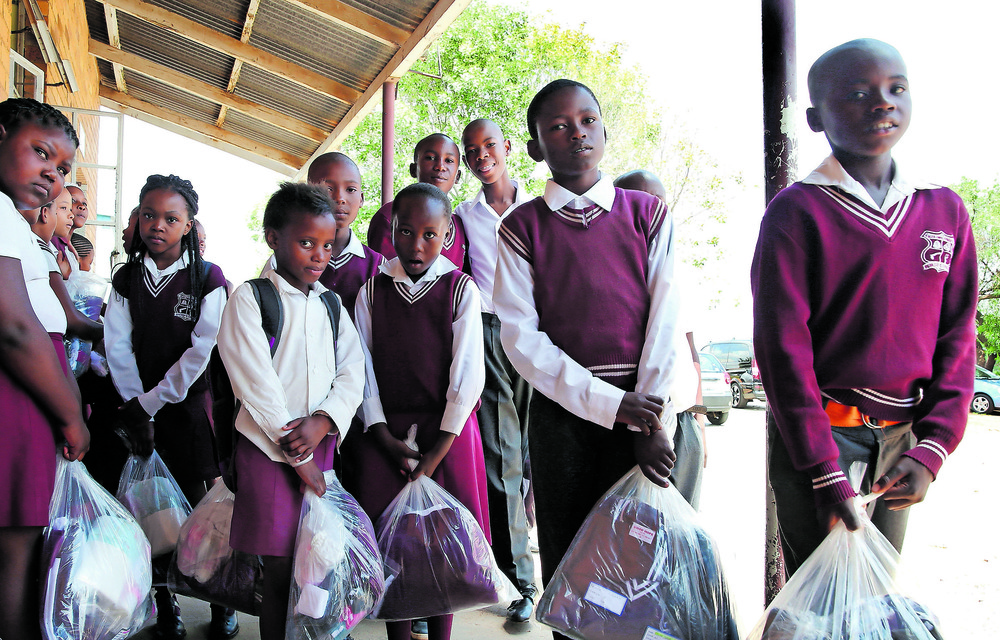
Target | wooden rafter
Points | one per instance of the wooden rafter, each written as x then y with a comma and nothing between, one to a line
204,90
433,25
114,38
356,20
239,50
209,134
234,75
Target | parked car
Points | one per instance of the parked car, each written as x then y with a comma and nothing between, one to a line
987,391
715,392
738,359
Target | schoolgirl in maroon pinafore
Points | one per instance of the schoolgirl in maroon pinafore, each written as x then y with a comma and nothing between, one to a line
420,322
37,397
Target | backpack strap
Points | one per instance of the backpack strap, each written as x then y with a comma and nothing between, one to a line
272,316
333,306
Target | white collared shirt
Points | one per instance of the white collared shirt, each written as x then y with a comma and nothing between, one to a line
18,241
468,368
179,378
832,174
354,248
547,367
481,225
305,376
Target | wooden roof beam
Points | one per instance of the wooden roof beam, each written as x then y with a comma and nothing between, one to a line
111,19
204,90
234,74
241,51
356,20
211,135
437,20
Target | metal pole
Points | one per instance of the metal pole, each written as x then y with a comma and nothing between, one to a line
780,168
388,135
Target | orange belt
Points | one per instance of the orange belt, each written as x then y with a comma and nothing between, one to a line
842,415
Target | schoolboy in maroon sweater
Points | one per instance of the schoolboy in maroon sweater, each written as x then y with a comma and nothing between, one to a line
865,290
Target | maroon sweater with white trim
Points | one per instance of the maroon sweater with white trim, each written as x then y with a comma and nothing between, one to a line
871,310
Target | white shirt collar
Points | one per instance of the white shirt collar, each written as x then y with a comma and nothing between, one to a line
602,194
174,267
354,247
286,287
520,197
438,268
832,174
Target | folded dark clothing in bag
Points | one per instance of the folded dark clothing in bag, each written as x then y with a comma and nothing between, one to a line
237,583
637,571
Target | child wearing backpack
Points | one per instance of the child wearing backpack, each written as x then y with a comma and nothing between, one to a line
295,388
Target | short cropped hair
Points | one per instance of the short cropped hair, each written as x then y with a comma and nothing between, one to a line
330,158
295,197
84,247
422,190
536,103
426,139
14,112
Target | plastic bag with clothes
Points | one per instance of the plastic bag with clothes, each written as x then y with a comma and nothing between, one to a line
96,561
337,574
149,491
87,290
640,567
205,566
437,560
846,590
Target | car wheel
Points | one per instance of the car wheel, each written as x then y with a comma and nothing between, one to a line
718,417
738,401
982,403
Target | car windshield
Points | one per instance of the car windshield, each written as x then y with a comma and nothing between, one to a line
985,374
710,362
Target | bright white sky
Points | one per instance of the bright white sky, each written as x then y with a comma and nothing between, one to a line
703,63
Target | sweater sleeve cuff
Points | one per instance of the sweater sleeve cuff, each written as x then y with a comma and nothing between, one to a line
830,485
929,453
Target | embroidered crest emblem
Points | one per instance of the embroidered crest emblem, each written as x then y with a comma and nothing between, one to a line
937,254
184,309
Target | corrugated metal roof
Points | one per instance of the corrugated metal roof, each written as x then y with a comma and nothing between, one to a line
298,65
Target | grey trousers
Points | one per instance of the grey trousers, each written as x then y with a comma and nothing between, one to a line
798,522
503,424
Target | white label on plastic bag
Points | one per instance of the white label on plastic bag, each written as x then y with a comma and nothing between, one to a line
641,533
605,598
653,634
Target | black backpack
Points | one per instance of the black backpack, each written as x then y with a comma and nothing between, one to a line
225,406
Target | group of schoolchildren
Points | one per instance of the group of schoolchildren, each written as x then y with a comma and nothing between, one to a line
513,329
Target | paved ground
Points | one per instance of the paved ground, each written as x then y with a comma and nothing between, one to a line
951,561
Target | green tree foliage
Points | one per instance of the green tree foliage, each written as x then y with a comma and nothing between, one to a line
493,60
984,211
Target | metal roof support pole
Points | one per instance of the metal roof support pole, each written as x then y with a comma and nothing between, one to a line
388,135
780,168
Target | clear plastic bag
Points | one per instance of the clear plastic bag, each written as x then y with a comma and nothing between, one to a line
96,560
149,491
437,560
87,290
337,568
640,568
204,566
846,590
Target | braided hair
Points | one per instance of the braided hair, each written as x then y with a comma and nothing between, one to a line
16,111
189,243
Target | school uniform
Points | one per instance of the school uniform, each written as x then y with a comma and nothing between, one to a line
28,453
424,347
158,351
503,416
455,247
583,291
866,306
346,273
306,376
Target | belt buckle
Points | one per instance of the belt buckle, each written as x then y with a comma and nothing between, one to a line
866,420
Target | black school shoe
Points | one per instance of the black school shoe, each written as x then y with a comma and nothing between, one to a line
520,610
169,625
224,624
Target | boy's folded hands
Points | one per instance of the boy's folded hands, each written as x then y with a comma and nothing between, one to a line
655,456
641,410
398,450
